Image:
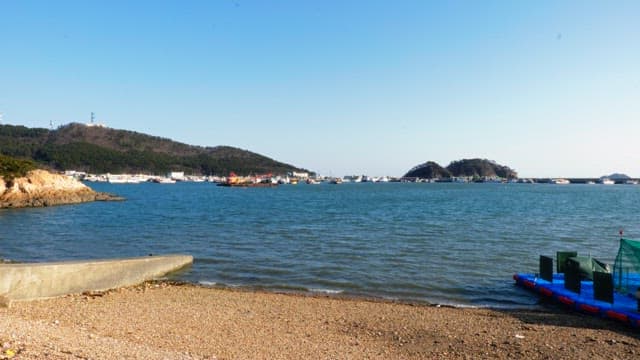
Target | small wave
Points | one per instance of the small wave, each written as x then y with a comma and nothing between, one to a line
326,291
207,283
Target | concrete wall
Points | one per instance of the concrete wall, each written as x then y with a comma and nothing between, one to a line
44,280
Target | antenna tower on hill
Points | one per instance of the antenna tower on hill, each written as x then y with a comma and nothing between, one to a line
93,117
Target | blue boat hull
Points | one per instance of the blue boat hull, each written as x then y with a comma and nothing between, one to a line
624,308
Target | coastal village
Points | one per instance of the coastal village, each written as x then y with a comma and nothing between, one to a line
94,152
294,178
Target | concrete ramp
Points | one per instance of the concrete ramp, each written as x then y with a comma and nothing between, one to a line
44,280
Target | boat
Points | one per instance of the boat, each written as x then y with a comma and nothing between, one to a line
606,181
560,181
117,179
335,181
587,285
234,180
162,180
125,179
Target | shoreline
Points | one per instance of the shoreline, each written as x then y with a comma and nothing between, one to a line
159,320
342,295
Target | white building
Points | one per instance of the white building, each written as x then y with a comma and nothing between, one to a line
300,175
176,175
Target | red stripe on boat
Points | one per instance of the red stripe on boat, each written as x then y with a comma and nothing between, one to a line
589,308
617,316
565,300
546,292
515,277
530,284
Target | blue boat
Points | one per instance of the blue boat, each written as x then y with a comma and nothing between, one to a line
584,284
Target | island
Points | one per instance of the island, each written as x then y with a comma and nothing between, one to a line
466,170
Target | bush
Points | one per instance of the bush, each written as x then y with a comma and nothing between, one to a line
11,168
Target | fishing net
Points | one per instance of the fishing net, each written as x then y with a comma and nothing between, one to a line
626,270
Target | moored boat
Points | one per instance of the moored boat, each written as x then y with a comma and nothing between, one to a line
234,180
606,181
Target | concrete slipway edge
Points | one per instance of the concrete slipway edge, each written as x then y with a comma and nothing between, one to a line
32,281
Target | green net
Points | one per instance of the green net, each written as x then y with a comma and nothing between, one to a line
626,270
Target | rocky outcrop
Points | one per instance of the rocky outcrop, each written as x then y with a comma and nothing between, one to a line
42,188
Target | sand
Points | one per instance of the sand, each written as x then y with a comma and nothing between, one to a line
174,321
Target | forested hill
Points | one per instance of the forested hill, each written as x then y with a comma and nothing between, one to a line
100,150
473,168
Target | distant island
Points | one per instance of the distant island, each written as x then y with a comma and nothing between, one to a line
465,169
99,149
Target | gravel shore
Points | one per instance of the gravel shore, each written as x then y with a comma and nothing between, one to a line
172,321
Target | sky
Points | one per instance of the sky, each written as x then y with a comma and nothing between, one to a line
548,88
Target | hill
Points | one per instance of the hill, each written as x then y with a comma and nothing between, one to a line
473,168
97,149
429,170
480,168
617,177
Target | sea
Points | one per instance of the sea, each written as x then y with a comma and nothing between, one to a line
443,243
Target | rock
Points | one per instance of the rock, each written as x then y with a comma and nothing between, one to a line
42,188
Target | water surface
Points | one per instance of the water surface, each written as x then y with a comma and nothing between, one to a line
441,243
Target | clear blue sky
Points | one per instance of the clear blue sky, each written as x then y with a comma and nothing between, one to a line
550,88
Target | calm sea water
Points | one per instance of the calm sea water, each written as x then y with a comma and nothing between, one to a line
440,243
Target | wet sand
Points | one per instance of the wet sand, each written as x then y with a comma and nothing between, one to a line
173,321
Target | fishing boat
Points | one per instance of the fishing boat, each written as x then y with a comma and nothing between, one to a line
162,180
234,180
587,285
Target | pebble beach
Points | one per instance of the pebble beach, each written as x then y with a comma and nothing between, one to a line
162,320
